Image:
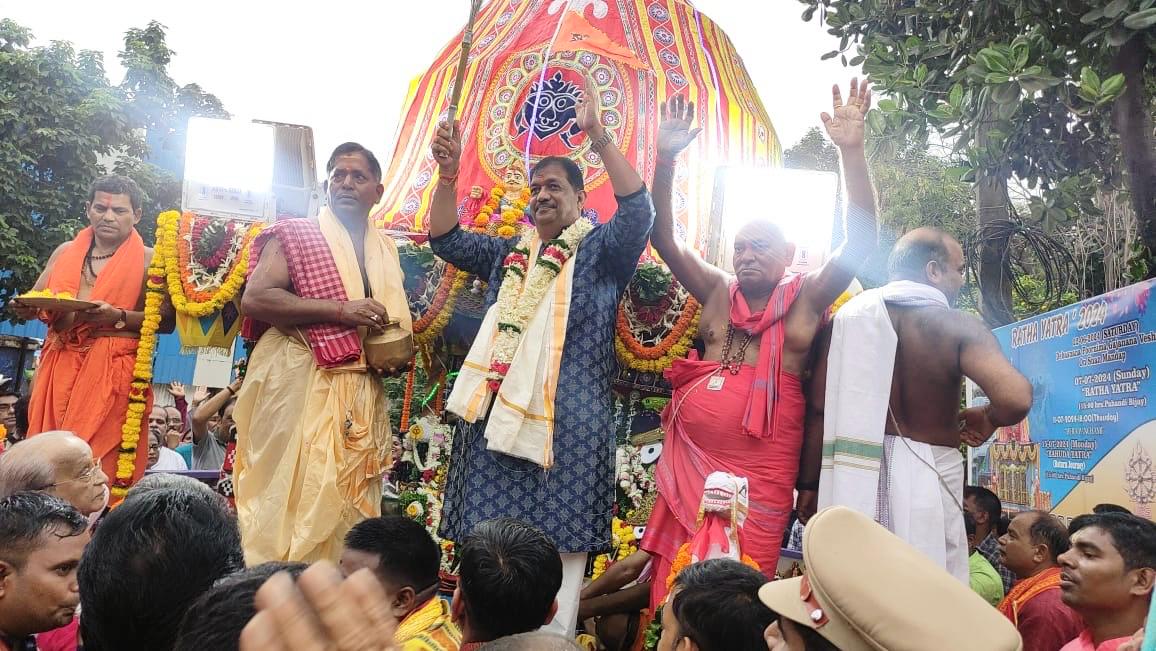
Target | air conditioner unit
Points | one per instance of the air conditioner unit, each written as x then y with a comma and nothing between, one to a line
250,170
295,186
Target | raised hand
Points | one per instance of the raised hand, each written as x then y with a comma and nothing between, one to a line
321,613
846,128
447,149
975,426
674,132
177,389
200,395
589,110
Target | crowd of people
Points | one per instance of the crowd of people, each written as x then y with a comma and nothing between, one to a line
165,570
848,419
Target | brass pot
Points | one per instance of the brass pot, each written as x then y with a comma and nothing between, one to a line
391,348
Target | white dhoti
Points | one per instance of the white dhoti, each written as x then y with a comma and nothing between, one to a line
914,489
920,499
565,622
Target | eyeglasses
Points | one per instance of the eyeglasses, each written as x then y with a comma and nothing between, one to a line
86,476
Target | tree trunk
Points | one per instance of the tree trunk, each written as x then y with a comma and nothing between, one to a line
991,199
1133,123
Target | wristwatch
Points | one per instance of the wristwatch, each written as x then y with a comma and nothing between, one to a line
122,322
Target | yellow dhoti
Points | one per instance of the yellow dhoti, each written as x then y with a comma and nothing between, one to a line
313,443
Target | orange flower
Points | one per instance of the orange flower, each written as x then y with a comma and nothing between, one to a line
682,560
675,345
407,403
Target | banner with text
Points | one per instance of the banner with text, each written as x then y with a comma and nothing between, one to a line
1091,435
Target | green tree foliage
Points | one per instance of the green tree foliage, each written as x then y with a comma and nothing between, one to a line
812,152
62,125
163,108
914,188
1054,93
58,118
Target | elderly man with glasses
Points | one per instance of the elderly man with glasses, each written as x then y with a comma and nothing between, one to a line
58,463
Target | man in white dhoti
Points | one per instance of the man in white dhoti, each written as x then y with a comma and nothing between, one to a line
888,393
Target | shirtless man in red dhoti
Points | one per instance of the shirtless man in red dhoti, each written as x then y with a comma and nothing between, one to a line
740,409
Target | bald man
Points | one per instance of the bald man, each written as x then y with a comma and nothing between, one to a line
887,397
58,463
740,409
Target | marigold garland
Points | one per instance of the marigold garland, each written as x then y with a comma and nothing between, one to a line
407,404
624,543
675,345
174,245
493,220
141,387
428,327
683,560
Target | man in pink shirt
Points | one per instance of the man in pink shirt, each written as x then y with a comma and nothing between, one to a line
1107,577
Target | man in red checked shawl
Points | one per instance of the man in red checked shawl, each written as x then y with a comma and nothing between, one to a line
740,409
312,419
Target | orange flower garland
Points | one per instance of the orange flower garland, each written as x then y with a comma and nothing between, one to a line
430,325
675,345
624,543
407,402
683,560
502,223
172,231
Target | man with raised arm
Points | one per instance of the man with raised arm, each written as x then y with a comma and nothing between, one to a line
890,409
535,440
740,408
312,418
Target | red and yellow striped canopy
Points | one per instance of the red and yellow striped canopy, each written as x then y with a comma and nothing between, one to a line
509,102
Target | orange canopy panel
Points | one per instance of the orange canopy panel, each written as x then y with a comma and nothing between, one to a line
635,52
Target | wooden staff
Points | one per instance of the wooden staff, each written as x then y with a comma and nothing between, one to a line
463,60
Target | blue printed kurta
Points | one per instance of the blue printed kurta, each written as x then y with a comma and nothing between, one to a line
573,501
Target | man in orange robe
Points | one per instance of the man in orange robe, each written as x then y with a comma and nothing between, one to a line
86,366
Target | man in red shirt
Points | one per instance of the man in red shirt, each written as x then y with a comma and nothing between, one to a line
41,541
1107,577
1033,542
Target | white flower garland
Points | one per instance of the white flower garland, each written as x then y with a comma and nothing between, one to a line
633,477
435,466
523,290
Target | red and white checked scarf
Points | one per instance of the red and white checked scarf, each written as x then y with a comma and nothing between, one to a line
314,275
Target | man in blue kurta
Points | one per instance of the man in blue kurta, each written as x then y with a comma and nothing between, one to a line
535,440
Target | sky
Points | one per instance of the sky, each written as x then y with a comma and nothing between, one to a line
343,68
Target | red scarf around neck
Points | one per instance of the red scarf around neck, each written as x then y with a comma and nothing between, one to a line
769,326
